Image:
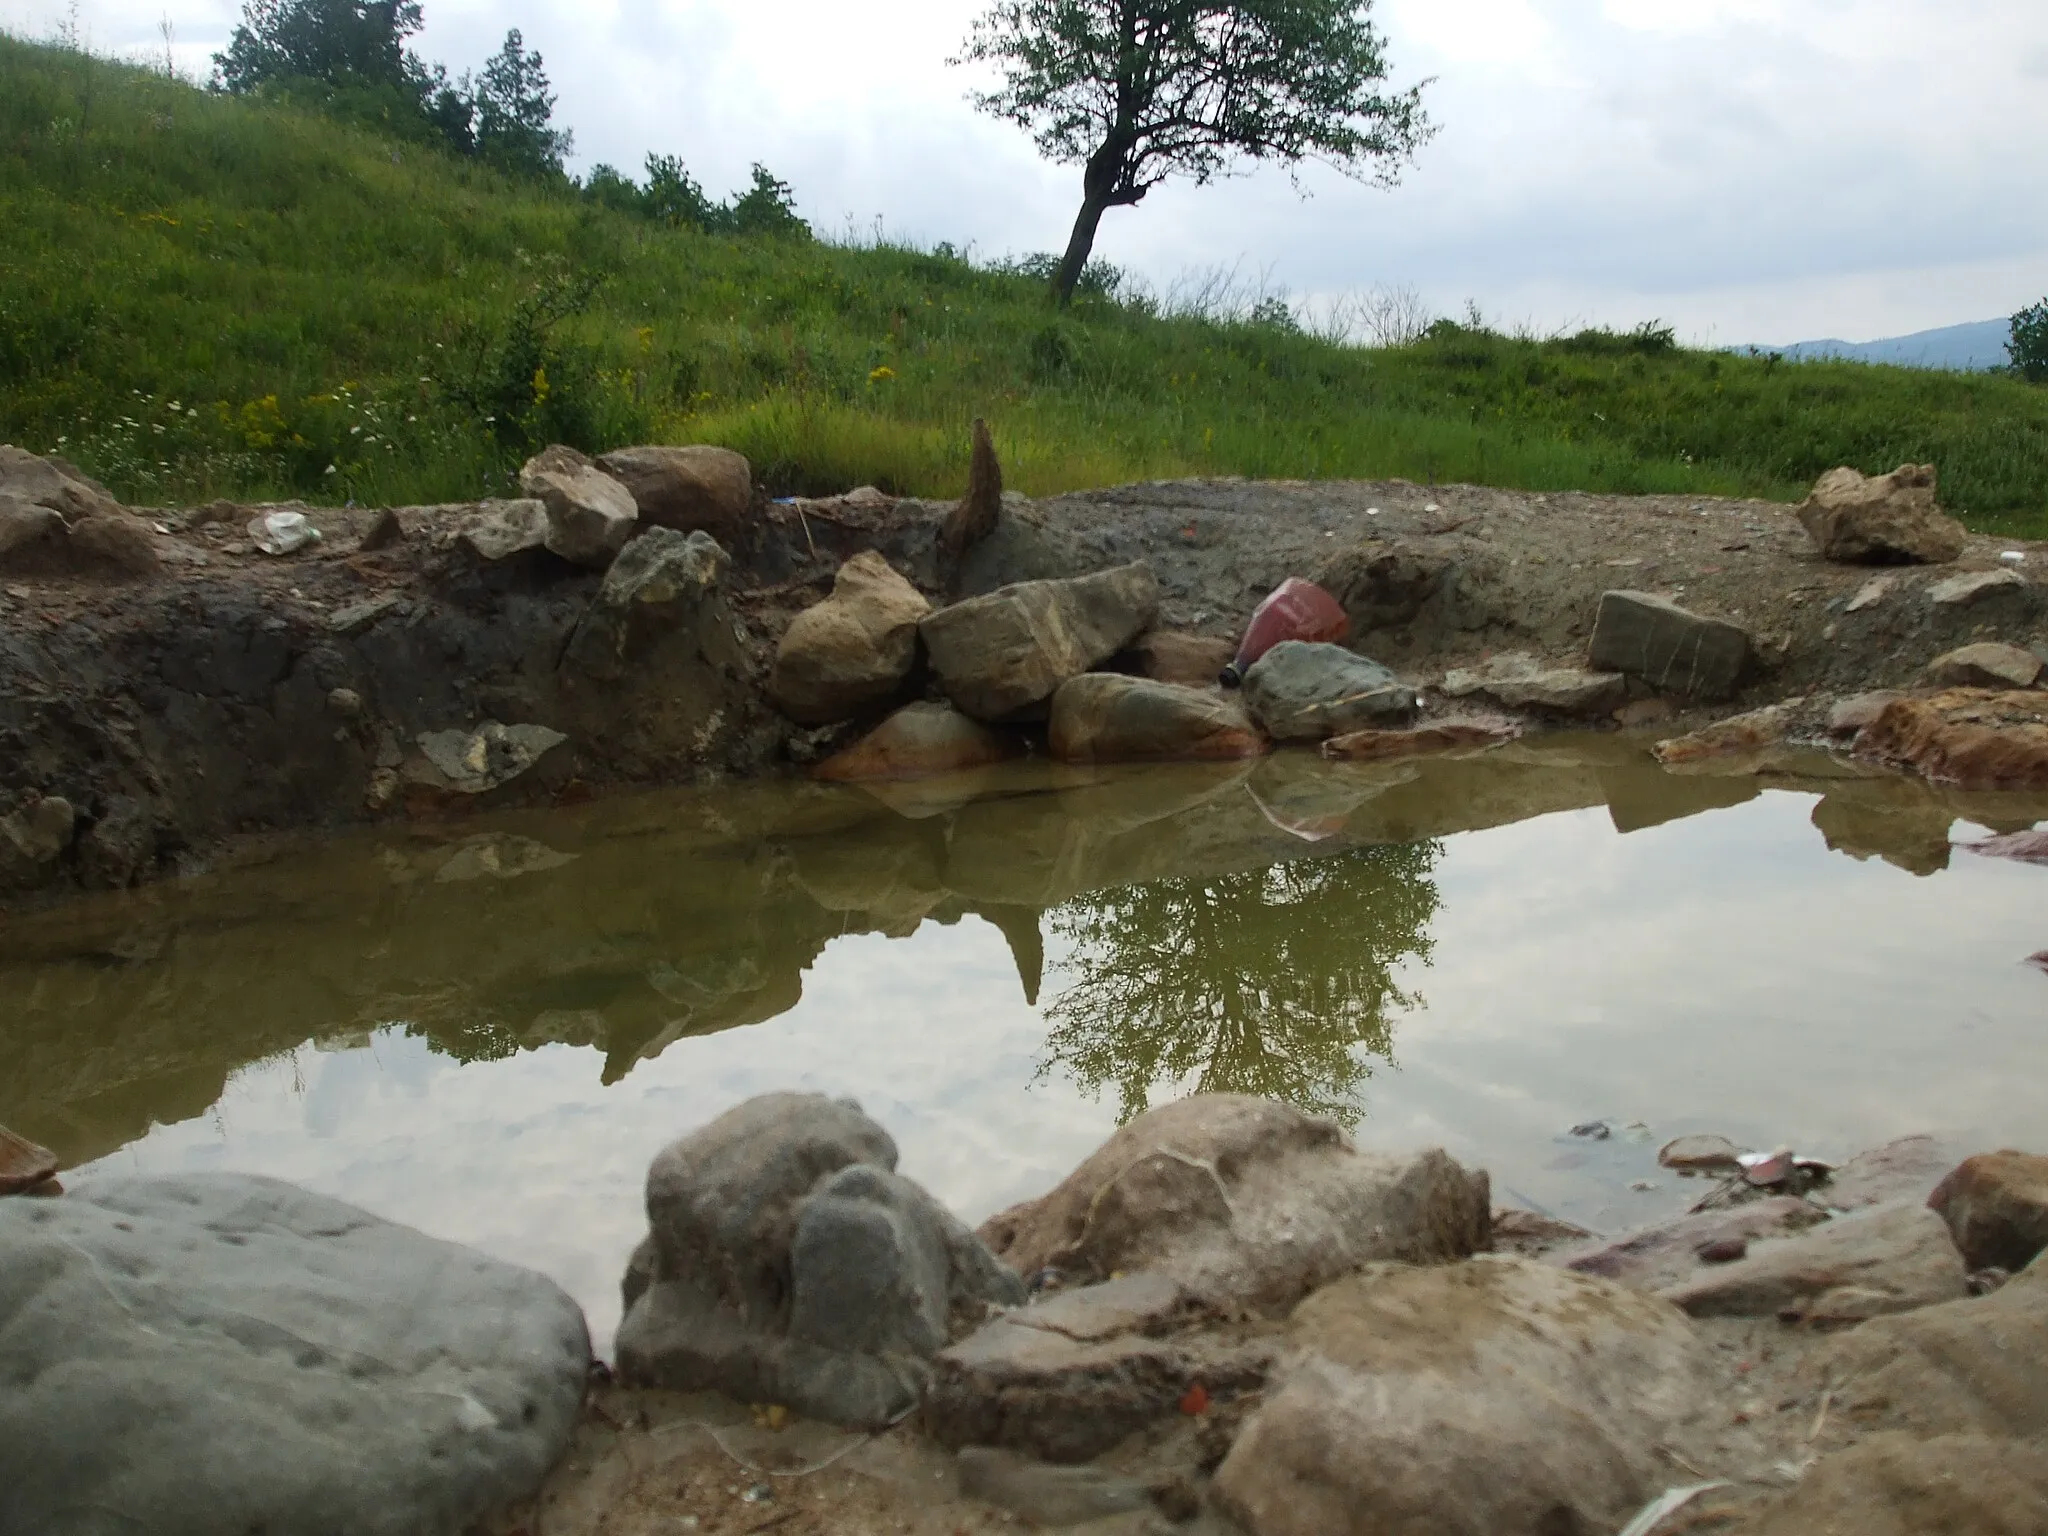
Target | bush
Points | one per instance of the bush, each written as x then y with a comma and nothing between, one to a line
2028,346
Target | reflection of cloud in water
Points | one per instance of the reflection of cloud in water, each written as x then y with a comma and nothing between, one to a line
341,1087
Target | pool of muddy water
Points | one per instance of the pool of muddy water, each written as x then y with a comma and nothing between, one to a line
487,1028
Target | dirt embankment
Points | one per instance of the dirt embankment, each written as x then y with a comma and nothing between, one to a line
396,668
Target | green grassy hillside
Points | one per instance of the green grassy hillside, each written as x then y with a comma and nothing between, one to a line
202,296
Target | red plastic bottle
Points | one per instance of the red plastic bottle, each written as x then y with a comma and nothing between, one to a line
1294,610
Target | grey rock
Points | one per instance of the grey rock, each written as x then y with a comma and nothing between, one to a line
1973,587
662,582
1303,690
1987,664
1002,654
590,515
357,618
1881,519
695,486
502,529
213,1353
1906,1169
1889,1259
1520,681
1669,647
1668,1252
493,754
33,838
788,1262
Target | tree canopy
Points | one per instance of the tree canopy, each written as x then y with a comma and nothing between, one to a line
1136,91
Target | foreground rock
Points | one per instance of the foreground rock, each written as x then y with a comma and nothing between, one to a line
918,740
224,1353
1892,1259
851,651
1307,691
1671,648
1892,519
1242,1202
590,515
24,1165
1106,717
1896,1485
1471,1400
664,583
1970,738
685,488
789,1263
1996,1207
1519,681
1002,655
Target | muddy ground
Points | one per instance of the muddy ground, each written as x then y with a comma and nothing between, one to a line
233,694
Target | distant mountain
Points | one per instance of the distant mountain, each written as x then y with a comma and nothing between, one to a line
1977,345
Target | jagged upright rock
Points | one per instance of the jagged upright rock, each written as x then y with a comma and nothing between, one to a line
1003,654
974,517
851,651
1892,519
590,515
696,486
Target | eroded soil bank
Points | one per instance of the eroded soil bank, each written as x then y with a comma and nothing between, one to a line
407,665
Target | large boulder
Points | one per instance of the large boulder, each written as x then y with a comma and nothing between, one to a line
919,739
24,1165
1519,681
1969,738
1889,519
216,1352
1004,654
660,583
686,488
52,483
853,650
1243,1202
787,1262
1996,1206
1671,648
1303,690
590,515
1497,1398
1893,1258
1895,1485
1106,717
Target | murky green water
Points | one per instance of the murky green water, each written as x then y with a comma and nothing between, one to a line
488,1029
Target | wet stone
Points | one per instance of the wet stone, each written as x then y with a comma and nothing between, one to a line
1996,1206
1891,1259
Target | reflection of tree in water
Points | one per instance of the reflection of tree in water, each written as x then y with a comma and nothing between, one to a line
1267,981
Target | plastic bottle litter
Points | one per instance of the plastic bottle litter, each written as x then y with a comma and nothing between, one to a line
2013,557
1294,610
282,533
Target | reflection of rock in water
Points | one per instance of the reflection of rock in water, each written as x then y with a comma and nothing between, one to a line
1274,981
1905,822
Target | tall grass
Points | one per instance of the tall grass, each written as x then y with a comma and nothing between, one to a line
202,296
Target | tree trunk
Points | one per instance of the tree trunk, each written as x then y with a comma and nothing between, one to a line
1079,244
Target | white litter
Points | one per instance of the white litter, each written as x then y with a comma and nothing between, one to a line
1666,1504
282,533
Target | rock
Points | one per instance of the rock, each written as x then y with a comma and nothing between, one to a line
854,649
1303,690
384,532
356,618
1892,519
1529,1233
1973,587
1519,681
1243,1202
1977,1366
32,839
491,755
1870,594
686,488
119,847
661,583
1987,664
1996,1207
1890,1259
23,1164
1106,717
1970,738
1000,655
52,483
505,528
1169,656
919,739
789,1263
1848,716
1905,1170
1896,1485
216,1352
1727,741
116,541
1382,586
1700,1154
24,526
1669,647
345,702
590,515
974,517
1450,736
1668,1253
1047,1495
1500,1396
2025,847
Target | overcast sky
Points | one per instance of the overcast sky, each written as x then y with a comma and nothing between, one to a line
1748,170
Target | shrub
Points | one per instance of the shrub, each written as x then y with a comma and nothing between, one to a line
2028,345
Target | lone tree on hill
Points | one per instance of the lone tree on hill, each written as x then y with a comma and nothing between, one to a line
339,42
1136,91
515,111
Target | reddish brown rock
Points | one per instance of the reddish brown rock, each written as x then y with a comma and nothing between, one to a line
917,741
23,1164
1451,736
1742,737
697,486
1972,738
1996,1206
1103,717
